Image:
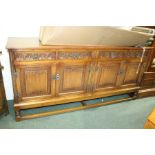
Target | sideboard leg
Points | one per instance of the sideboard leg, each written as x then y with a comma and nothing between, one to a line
18,115
136,95
133,94
6,109
83,103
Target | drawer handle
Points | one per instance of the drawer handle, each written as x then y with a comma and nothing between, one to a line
57,76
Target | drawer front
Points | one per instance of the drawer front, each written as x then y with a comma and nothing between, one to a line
74,55
121,54
148,83
149,76
47,55
34,56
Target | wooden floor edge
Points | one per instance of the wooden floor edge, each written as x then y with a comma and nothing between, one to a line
25,117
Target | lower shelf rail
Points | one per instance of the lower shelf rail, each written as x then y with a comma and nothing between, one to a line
83,105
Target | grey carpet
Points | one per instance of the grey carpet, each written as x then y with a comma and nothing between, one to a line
125,115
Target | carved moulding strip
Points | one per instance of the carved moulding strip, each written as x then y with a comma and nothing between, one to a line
119,54
74,55
19,56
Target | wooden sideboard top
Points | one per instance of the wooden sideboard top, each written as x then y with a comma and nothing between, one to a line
34,43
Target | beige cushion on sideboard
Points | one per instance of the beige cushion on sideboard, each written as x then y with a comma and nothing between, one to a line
90,35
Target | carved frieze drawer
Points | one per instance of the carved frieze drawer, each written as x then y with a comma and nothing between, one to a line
34,56
74,55
121,54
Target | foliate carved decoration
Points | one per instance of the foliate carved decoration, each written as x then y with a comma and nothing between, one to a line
133,54
146,53
74,55
19,56
121,54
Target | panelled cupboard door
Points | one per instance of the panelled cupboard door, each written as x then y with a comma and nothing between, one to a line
33,81
106,75
72,78
132,73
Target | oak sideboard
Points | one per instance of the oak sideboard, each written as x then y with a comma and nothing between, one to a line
54,75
